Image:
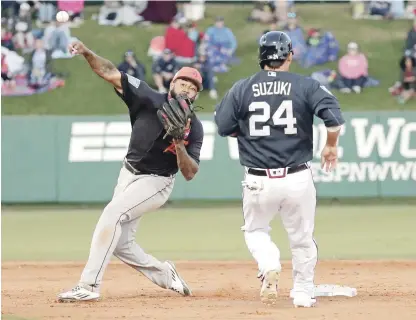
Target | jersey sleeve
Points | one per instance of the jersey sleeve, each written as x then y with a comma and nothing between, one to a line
135,92
195,142
226,113
324,105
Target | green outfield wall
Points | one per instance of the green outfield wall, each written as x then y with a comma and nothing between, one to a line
77,159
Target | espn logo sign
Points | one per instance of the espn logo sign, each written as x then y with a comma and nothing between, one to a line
99,141
109,141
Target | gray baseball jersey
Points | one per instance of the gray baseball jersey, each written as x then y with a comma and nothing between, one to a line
272,113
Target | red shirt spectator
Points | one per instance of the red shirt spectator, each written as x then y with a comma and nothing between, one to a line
177,40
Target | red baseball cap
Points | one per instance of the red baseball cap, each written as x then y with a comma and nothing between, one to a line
191,74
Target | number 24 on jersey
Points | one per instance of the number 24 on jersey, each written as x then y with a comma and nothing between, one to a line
278,118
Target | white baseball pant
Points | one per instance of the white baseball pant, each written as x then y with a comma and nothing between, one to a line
293,197
115,231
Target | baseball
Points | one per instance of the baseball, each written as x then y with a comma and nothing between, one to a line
62,16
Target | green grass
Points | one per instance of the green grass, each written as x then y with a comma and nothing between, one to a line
85,93
342,232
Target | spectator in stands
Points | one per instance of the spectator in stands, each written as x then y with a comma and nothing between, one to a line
56,39
12,63
109,13
271,10
9,9
205,68
397,9
221,45
46,12
408,69
132,66
39,66
295,32
159,11
292,22
6,38
194,34
353,69
6,76
116,13
380,8
263,12
314,37
282,10
222,36
411,38
23,36
392,9
410,10
179,42
164,69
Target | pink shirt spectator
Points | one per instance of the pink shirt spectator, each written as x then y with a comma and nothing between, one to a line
74,6
353,66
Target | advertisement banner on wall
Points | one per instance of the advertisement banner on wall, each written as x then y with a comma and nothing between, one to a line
377,154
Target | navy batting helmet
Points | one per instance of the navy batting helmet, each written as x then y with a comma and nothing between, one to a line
274,46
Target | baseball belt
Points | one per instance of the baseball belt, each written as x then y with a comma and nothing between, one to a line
136,172
264,172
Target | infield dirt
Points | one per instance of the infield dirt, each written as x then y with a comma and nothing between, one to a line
222,290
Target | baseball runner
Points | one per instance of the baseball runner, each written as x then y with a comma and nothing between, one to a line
271,114
166,137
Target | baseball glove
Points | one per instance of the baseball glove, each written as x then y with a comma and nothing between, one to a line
174,116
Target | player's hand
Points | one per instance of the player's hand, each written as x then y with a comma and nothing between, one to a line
187,130
77,47
329,158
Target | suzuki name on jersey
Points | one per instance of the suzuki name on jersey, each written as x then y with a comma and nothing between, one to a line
271,88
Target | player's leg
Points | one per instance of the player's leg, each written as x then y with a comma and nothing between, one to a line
259,209
144,194
298,218
133,196
161,273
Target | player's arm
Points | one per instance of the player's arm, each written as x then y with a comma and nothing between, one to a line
101,66
326,106
226,113
188,166
188,157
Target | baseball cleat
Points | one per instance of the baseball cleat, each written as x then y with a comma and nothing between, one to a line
79,293
303,300
268,292
178,284
310,292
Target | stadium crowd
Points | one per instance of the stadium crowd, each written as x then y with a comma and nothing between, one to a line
31,38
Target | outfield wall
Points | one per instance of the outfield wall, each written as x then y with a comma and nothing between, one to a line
77,159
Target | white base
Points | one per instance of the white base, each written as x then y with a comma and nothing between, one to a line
331,290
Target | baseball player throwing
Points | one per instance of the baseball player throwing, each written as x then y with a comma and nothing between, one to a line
166,137
271,114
